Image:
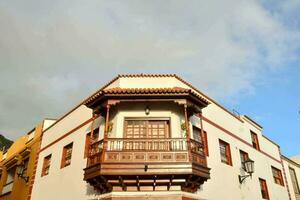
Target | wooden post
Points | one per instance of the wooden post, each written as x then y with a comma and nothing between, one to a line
187,129
105,132
203,139
201,123
106,121
203,136
92,127
88,144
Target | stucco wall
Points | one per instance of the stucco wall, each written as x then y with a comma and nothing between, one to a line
288,163
65,183
20,189
224,178
157,110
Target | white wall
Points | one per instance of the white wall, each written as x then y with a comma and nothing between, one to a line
166,109
47,123
65,183
288,163
224,182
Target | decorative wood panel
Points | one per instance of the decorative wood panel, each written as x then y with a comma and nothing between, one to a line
147,157
139,157
112,157
181,156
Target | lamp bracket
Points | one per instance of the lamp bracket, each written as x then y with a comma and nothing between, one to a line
242,178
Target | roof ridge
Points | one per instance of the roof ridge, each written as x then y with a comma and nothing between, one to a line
145,75
176,87
145,89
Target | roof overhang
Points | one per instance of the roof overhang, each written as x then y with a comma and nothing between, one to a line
25,152
133,94
12,162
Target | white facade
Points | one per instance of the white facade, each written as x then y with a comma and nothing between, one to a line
67,183
292,167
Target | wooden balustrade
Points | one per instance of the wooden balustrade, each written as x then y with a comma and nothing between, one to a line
137,164
95,152
146,146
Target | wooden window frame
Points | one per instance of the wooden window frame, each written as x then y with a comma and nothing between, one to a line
254,140
89,141
264,188
10,172
64,154
227,152
147,119
295,184
46,165
277,175
204,139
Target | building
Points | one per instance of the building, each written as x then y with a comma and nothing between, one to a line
296,159
292,170
17,165
156,137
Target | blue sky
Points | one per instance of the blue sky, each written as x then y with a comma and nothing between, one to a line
244,53
275,105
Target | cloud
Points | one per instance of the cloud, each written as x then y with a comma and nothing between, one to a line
54,53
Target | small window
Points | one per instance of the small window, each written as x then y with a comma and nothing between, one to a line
264,189
46,165
277,176
294,180
254,138
225,152
201,137
24,172
89,141
7,187
244,156
66,155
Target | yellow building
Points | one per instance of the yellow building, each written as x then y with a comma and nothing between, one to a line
18,164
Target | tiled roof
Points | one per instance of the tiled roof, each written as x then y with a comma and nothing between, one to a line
140,91
118,90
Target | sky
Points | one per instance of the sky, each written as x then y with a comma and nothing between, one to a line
243,53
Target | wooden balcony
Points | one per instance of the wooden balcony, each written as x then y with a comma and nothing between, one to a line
147,164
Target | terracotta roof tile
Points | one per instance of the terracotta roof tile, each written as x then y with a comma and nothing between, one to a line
134,91
145,90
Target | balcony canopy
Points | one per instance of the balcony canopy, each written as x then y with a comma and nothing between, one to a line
118,93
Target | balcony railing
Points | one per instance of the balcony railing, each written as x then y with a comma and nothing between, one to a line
145,149
146,144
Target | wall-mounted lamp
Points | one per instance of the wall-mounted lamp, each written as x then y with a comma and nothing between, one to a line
147,110
248,166
21,170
